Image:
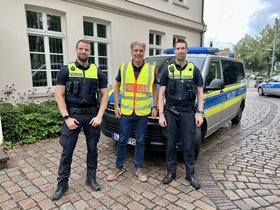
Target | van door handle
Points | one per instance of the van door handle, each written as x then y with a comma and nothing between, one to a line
221,91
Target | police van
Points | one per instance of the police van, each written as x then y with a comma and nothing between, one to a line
224,88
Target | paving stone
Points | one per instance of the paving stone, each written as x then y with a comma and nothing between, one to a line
272,199
27,203
251,202
203,205
134,205
184,204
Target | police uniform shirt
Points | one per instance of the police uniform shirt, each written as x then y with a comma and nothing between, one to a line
63,77
197,80
136,72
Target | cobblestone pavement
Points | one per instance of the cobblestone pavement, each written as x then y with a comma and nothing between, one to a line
238,169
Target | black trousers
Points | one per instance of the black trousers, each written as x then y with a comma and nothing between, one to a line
183,125
68,141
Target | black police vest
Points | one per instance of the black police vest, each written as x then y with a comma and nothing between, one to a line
180,86
82,86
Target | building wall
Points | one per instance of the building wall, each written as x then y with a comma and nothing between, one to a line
129,20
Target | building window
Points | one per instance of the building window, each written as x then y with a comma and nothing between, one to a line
175,38
155,43
97,33
45,37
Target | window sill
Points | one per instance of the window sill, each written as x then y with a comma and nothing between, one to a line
180,4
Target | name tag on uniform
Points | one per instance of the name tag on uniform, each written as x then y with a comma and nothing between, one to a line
75,74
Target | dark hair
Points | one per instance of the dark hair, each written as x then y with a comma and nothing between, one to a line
83,41
181,41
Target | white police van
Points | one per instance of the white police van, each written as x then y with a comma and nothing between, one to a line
225,88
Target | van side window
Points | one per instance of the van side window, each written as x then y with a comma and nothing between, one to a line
214,73
233,72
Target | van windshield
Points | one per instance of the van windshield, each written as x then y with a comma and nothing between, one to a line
160,63
197,61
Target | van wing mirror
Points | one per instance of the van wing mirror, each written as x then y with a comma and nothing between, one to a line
215,84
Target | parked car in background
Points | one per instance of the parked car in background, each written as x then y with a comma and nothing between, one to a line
225,87
270,86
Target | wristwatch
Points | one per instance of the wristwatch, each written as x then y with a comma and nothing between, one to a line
65,117
201,112
155,107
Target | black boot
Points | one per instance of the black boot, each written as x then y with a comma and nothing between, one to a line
93,183
168,178
62,187
193,181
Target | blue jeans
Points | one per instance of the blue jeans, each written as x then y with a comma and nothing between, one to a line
126,124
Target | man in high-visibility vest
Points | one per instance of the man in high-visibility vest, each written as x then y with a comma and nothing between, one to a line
77,88
137,82
181,82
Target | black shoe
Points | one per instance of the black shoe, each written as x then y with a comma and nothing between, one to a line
60,190
168,178
193,181
94,185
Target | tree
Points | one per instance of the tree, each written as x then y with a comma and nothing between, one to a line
256,52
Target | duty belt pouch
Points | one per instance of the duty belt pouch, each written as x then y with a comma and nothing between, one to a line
171,81
69,88
76,86
171,85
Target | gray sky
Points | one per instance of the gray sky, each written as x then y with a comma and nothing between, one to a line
268,11
228,21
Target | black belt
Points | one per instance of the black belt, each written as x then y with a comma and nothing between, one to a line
82,110
181,109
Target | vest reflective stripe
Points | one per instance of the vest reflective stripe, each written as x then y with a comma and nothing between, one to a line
75,72
136,94
138,98
187,73
137,108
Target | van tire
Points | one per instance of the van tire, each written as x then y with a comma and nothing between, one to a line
197,142
237,118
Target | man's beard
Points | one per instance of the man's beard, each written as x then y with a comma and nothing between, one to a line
83,58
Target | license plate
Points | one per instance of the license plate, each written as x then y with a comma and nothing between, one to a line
130,141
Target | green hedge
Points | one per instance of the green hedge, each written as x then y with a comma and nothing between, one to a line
28,123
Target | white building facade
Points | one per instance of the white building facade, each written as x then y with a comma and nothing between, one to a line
39,36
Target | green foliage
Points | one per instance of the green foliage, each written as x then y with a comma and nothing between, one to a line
28,123
256,52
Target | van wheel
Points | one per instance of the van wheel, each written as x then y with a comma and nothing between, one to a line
197,142
237,118
260,91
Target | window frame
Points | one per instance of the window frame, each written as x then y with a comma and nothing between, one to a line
95,40
153,46
46,35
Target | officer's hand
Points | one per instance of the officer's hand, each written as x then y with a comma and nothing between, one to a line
117,112
72,123
199,120
154,113
162,121
96,121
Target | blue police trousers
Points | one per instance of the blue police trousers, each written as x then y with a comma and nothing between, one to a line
183,125
68,141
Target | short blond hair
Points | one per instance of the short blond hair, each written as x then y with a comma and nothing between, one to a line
133,44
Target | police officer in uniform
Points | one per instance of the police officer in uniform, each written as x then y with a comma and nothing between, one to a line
77,89
180,83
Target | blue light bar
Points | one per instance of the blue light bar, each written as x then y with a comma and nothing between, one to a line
195,50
